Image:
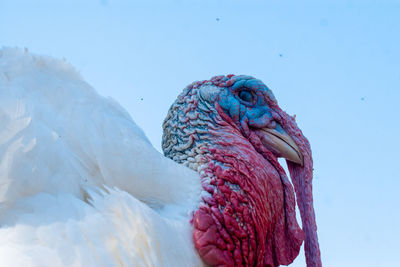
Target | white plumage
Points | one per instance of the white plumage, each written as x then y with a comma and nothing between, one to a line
80,184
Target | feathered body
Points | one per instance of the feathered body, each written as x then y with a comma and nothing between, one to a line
64,151
80,184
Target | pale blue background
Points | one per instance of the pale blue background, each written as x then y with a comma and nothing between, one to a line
336,65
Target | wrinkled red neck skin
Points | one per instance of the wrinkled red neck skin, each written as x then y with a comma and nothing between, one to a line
302,181
249,218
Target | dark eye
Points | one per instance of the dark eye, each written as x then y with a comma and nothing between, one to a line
246,95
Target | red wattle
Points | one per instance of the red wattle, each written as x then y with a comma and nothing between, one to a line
302,181
249,218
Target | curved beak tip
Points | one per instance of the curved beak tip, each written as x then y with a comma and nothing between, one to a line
278,141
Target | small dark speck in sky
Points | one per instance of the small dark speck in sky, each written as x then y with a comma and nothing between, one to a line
141,99
280,55
217,19
362,98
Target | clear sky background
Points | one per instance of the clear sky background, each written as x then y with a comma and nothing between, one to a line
336,65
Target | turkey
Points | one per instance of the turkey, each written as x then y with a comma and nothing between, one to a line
81,185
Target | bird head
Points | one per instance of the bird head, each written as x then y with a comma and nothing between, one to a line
231,130
250,105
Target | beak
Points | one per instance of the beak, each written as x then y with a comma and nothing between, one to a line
279,142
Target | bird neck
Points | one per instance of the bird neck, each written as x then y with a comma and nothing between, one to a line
247,213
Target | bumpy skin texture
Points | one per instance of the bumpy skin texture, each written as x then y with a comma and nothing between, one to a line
247,214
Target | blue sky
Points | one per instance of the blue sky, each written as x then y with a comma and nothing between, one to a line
336,65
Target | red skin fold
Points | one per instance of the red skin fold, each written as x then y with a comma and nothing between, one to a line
254,222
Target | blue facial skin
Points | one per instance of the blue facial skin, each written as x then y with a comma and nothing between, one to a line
245,102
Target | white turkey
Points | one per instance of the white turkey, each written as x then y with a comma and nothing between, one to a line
81,185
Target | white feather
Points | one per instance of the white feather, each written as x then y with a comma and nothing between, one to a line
80,184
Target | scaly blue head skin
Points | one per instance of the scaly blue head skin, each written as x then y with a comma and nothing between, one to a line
245,102
251,105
